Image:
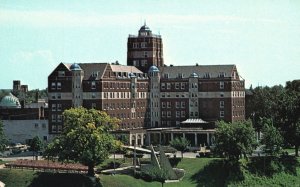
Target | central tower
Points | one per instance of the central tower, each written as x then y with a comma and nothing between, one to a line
145,50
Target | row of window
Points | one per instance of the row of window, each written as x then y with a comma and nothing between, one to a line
56,86
56,128
178,104
167,86
142,63
124,105
56,118
121,85
56,107
125,95
205,75
36,125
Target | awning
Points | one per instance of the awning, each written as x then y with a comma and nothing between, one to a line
194,121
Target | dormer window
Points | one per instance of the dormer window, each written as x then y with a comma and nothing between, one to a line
222,74
95,74
166,75
206,75
180,75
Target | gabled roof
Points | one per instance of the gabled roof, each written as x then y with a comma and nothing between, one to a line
90,68
122,68
213,70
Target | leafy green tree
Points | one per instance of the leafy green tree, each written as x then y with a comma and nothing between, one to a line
180,144
235,139
290,110
85,138
272,138
3,140
36,145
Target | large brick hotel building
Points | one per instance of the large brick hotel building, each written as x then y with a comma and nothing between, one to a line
154,102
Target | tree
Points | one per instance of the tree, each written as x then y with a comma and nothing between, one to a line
290,110
272,138
85,138
180,144
3,140
35,145
235,139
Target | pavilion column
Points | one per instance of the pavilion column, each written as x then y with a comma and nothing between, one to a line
130,139
160,138
142,139
172,137
136,139
183,135
149,138
207,139
196,140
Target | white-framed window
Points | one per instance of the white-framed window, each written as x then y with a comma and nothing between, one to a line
143,44
196,114
177,114
59,128
221,104
182,86
182,114
59,85
93,105
93,85
53,85
53,106
192,114
168,114
59,118
163,114
168,86
54,128
182,104
163,86
58,95
36,125
221,114
146,54
53,117
221,85
177,104
168,104
163,104
176,85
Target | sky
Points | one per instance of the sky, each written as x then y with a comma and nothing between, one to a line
261,37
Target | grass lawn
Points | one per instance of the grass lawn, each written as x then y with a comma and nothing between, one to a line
22,178
198,172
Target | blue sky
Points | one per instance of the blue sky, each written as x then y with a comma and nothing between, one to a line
261,37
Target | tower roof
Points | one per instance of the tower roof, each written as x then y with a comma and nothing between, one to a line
10,101
74,67
145,31
153,69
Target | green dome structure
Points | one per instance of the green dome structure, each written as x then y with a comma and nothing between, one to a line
10,101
